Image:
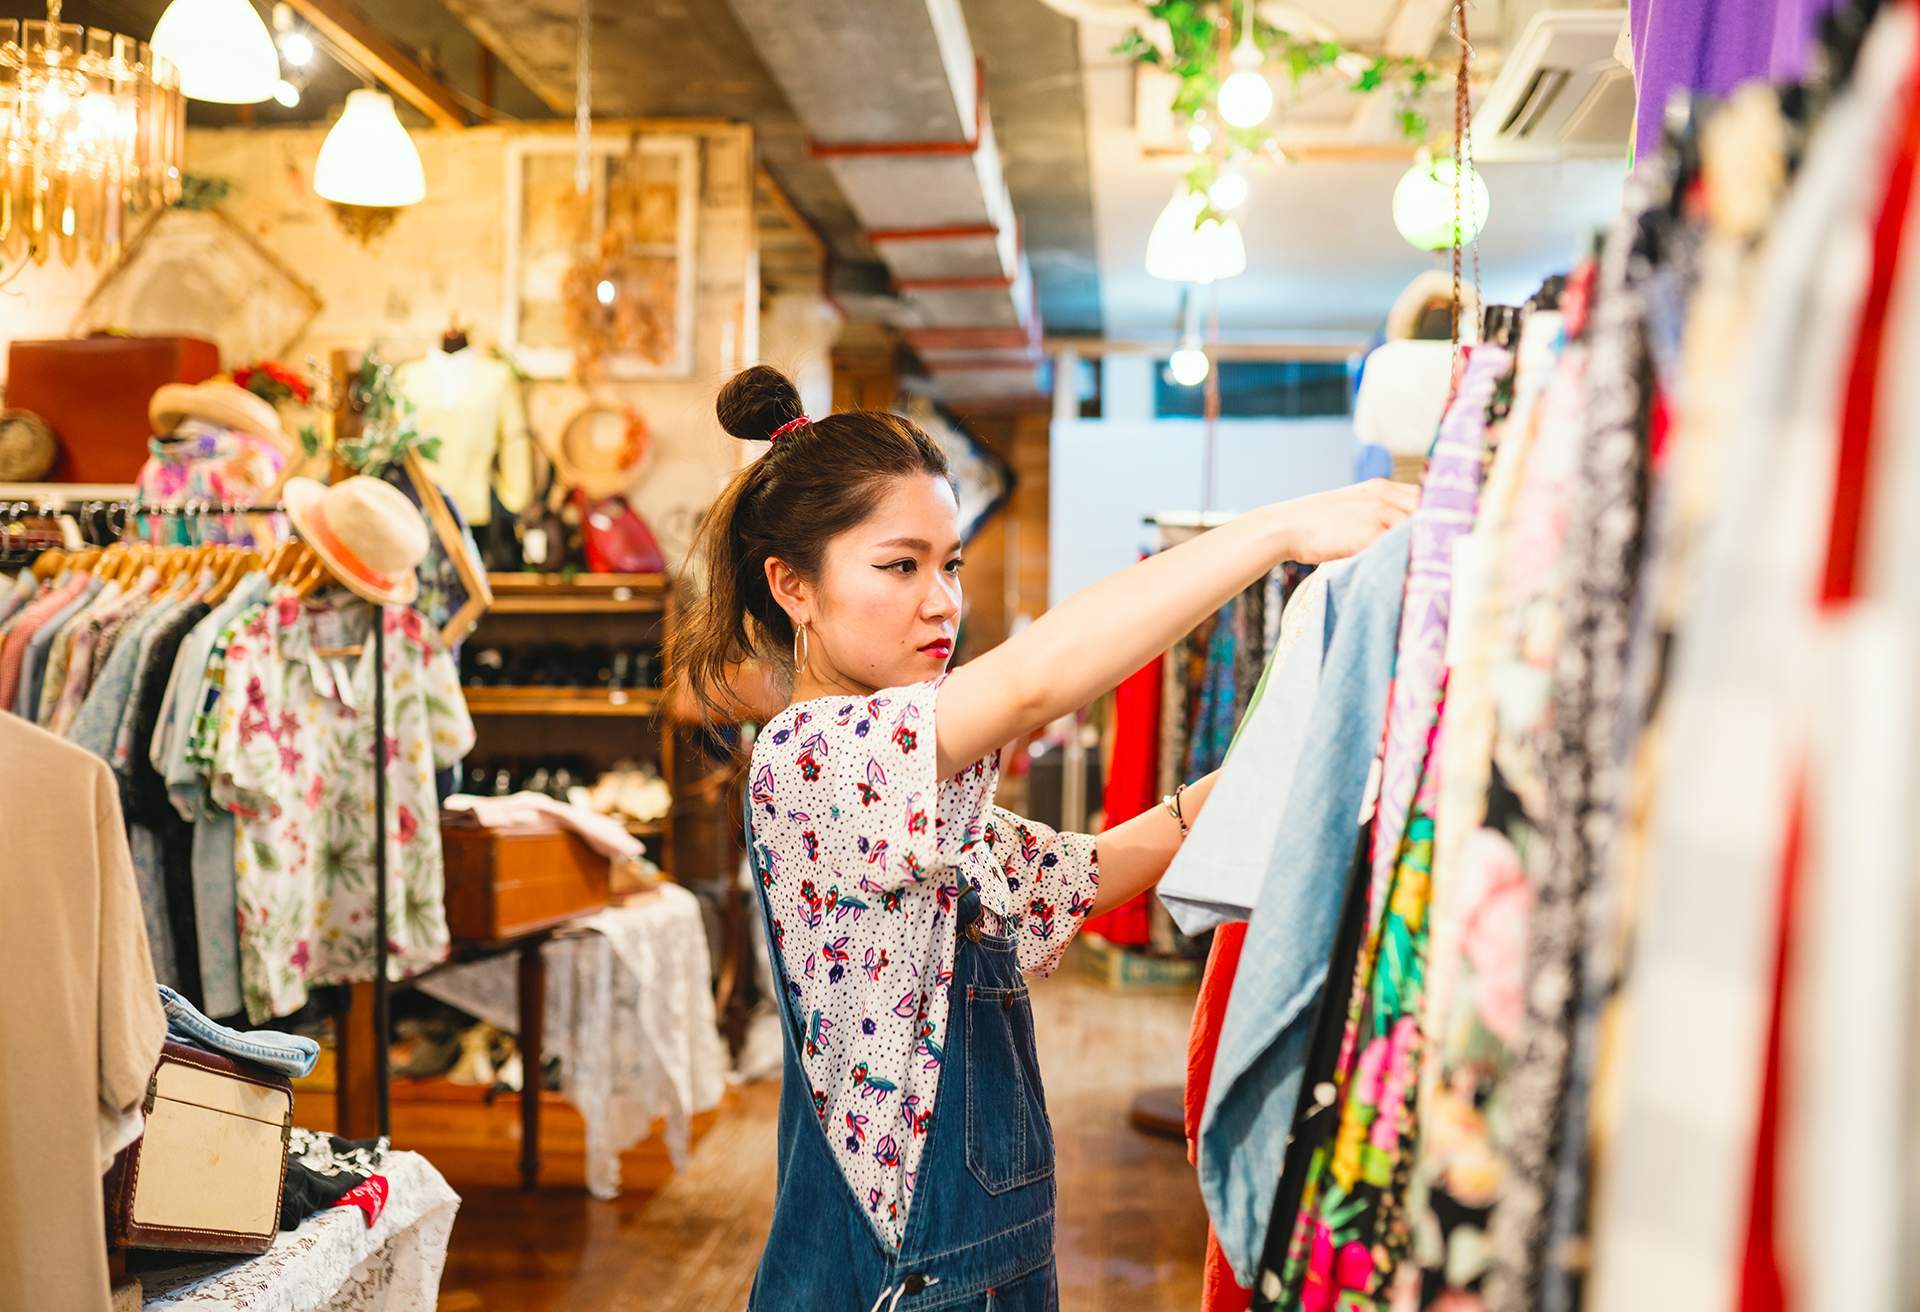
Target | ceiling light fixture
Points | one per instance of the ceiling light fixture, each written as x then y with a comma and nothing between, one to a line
1189,364
1423,204
1191,243
91,125
297,48
223,51
1246,97
287,94
368,166
1229,190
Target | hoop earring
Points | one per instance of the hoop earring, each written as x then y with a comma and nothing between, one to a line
802,647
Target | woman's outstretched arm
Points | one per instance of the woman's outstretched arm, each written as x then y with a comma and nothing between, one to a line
1101,634
1136,853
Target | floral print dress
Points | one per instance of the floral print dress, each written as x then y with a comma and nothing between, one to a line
292,760
1351,1233
866,855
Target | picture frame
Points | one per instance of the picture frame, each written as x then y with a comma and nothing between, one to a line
198,273
636,239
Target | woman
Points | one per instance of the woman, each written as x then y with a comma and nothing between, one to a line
916,1159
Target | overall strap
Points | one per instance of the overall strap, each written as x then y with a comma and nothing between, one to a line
756,863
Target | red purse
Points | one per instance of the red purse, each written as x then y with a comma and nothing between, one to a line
618,541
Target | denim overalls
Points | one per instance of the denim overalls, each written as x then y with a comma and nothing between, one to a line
980,1224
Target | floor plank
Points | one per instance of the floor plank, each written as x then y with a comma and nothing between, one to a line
1131,1232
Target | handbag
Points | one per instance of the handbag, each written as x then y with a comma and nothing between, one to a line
618,541
208,1173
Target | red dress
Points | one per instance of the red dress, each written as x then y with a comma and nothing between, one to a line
1131,782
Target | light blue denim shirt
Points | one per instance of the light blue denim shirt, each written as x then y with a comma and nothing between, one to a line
1270,1014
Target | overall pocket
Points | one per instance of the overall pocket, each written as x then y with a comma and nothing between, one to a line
1009,1139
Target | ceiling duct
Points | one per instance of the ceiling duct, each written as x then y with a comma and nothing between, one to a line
1560,92
893,101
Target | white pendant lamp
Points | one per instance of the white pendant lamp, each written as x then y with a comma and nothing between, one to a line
1189,364
222,49
1423,204
1246,97
368,166
1186,247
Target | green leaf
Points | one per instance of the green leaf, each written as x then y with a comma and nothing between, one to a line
1373,78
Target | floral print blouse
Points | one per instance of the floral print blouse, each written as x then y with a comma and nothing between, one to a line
864,855
292,761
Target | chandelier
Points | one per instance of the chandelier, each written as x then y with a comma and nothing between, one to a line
91,126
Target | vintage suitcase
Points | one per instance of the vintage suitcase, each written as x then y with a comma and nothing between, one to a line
207,1175
93,393
505,882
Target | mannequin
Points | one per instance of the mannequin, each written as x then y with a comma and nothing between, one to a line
471,402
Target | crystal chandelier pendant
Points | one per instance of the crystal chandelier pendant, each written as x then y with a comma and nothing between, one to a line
91,129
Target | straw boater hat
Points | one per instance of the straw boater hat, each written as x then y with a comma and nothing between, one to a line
226,404
367,531
601,449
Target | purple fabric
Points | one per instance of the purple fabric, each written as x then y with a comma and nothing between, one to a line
1706,45
1448,496
1793,27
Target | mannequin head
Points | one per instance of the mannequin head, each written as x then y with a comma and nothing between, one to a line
848,526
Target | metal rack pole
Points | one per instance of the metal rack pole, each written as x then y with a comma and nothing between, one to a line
381,1075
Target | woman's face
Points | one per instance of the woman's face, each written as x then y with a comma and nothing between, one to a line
885,607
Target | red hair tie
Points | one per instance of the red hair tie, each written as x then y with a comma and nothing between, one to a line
787,427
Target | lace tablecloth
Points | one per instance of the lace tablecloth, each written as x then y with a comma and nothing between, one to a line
334,1262
629,1014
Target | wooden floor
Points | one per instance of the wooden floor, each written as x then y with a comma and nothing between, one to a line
1131,1231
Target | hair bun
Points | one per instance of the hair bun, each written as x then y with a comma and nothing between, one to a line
756,401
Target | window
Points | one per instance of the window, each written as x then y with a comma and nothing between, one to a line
1260,389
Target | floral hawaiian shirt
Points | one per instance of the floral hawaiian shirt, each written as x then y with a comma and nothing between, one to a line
863,853
292,762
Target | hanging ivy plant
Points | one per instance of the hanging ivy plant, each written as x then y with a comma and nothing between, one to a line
1192,56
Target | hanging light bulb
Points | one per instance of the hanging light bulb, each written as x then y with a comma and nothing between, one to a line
223,51
1229,190
287,93
297,48
1188,244
1246,97
368,166
1189,364
1423,204
1200,137
603,291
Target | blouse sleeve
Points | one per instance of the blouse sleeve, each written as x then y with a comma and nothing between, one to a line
869,763
1054,877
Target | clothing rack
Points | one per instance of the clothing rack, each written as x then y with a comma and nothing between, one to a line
47,500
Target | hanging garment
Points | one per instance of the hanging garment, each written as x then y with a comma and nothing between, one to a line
82,1028
1263,1040
1131,790
1217,873
1481,897
1694,45
472,403
291,760
1351,1235
1692,1062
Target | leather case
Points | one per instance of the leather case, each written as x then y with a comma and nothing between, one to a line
506,882
208,1173
93,392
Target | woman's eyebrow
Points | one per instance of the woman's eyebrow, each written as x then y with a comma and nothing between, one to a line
916,544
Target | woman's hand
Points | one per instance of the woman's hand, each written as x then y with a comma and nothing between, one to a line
1334,525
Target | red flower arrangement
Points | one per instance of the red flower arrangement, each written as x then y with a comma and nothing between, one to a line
273,382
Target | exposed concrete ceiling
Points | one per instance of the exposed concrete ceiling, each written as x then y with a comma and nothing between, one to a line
1037,97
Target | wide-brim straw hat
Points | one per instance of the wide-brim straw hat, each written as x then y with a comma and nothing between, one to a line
226,404
367,531
601,450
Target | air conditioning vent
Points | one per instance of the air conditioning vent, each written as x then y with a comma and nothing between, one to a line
1561,92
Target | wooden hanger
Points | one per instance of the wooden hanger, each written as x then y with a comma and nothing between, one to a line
49,563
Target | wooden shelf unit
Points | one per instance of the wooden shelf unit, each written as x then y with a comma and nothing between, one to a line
491,700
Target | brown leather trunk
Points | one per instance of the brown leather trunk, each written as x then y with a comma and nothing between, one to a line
505,882
208,1174
93,392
